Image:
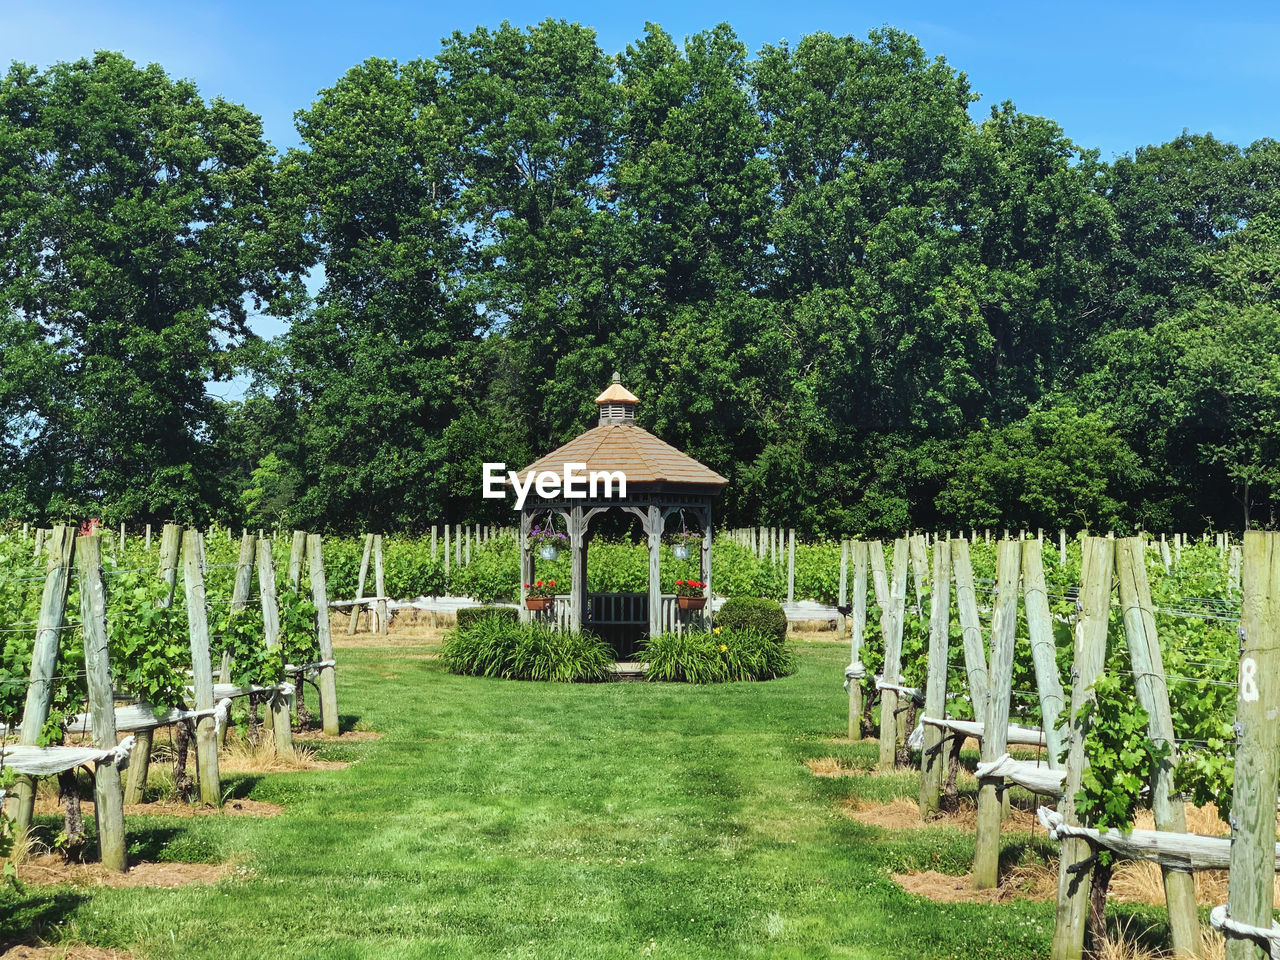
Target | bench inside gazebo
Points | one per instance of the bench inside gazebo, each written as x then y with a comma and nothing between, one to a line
661,482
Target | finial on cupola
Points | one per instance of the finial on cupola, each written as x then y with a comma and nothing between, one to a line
617,404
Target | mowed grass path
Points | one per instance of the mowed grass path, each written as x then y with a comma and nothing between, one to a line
506,819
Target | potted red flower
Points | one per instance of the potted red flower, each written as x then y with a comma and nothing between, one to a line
689,594
540,595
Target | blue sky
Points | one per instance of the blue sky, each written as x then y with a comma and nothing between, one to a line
1116,75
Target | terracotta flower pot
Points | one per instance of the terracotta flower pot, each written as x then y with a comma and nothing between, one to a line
691,603
537,603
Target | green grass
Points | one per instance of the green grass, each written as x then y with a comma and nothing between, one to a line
531,820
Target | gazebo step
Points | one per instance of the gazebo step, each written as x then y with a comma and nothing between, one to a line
625,670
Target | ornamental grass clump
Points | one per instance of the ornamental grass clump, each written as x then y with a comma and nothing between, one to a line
496,647
716,656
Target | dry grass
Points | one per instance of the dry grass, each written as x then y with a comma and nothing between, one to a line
241,756
1022,882
904,814
833,767
64,952
1125,946
51,869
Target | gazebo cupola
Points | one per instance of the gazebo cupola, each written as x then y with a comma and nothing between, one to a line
661,483
617,404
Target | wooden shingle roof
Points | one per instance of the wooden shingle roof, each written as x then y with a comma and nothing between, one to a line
633,450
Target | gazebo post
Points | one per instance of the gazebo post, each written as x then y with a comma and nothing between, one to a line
577,566
653,527
705,571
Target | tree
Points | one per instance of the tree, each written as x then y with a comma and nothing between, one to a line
145,225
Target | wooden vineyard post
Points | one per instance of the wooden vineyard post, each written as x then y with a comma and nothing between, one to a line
457,544
108,796
1233,572
433,541
240,592
995,722
919,570
932,762
1075,863
791,565
1043,649
446,557
856,671
297,553
60,547
280,711
1253,807
842,594
975,657
319,596
1153,694
380,584
354,621
140,758
201,667
892,598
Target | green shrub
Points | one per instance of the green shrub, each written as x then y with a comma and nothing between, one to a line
765,617
469,616
498,647
716,657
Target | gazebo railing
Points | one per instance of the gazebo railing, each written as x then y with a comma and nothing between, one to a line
605,609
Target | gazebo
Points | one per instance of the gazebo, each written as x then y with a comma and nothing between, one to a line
661,482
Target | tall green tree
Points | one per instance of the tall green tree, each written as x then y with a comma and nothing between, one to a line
144,227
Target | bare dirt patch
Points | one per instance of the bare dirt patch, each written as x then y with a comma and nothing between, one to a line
174,808
50,869
72,952
1023,882
904,814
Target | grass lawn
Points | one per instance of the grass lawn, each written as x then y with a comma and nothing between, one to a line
507,819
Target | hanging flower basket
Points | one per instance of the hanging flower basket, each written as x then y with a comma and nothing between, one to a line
548,551
691,603
547,541
684,542
681,551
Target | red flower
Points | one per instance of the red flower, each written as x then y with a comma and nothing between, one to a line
679,583
551,583
539,583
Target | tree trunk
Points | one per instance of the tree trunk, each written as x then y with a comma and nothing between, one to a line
950,794
903,757
1096,929
72,816
183,785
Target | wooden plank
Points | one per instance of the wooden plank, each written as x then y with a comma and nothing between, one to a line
327,680
1075,874
1043,649
380,584
858,551
201,667
975,656
108,794
1153,694
919,549
995,724
1250,895
279,704
354,621
297,553
59,549
932,761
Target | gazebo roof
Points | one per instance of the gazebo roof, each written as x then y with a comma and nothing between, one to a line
618,444
633,450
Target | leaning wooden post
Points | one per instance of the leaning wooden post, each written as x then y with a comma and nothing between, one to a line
843,592
892,598
919,549
108,796
280,706
1043,650
1075,871
201,667
320,597
932,762
995,719
60,547
240,591
354,621
380,584
140,758
1250,897
297,553
1153,694
791,565
854,673
975,656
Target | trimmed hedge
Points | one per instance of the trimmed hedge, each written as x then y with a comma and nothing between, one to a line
469,616
497,647
765,617
716,657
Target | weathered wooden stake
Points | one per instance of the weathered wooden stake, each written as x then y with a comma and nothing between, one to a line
44,659
380,584
932,761
240,591
447,561
201,667
1043,650
364,575
892,601
919,549
280,706
297,553
995,722
975,656
108,795
856,671
1250,897
1075,871
319,596
1153,694
791,565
